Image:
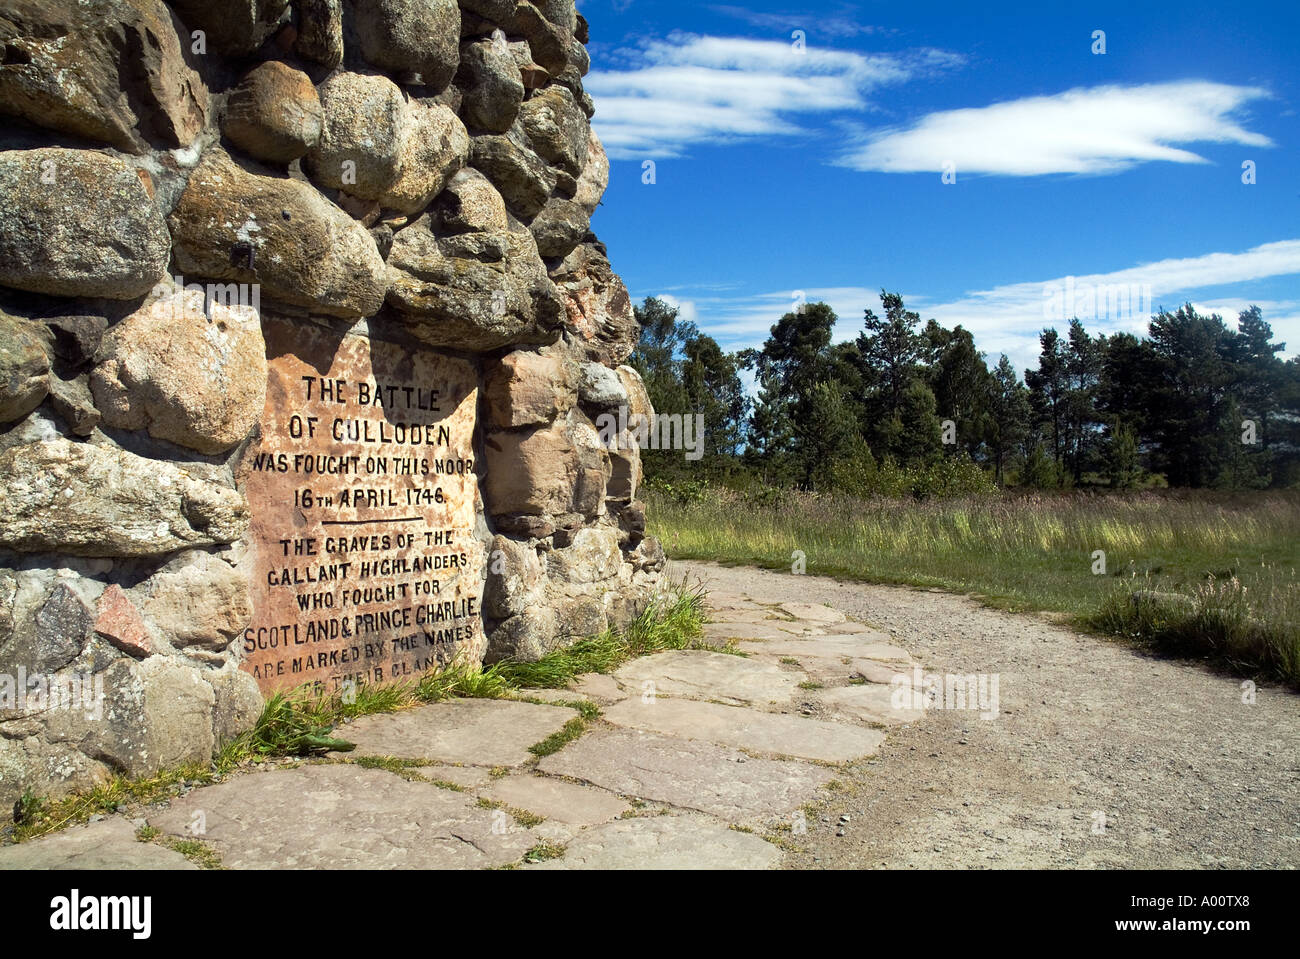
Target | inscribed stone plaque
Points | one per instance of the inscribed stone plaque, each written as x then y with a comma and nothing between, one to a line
362,495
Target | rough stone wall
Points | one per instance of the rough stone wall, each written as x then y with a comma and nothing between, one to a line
409,176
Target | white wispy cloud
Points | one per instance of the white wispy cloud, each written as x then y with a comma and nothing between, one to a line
841,24
1008,318
666,95
1085,130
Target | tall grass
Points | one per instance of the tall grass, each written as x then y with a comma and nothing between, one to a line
1037,552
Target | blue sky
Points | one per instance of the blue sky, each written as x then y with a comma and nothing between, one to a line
814,162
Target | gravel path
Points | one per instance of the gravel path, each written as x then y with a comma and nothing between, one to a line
1100,756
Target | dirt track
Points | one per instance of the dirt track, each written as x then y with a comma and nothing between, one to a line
1184,773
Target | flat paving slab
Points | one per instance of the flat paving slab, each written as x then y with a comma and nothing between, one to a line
700,674
687,773
728,599
848,647
834,671
342,816
748,729
467,777
848,626
550,695
665,842
557,800
723,632
871,703
476,732
756,615
598,687
109,844
814,612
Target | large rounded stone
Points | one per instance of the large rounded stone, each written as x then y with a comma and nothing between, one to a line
562,13
549,42
471,204
600,387
238,703
24,368
233,27
54,636
532,472
195,380
360,146
525,388
434,147
595,176
515,576
521,176
320,31
638,397
557,128
411,36
559,228
274,113
474,290
231,224
65,497
553,471
78,223
177,719
593,556
198,599
494,87
598,308
113,71
525,638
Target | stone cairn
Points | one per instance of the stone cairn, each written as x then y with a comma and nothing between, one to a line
405,187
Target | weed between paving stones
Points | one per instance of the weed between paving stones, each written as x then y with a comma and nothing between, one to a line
522,816
195,850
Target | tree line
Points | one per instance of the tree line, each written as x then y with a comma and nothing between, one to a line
911,407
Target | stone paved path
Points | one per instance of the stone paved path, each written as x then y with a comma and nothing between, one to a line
699,759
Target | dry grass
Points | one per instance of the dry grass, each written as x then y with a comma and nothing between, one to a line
1233,555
